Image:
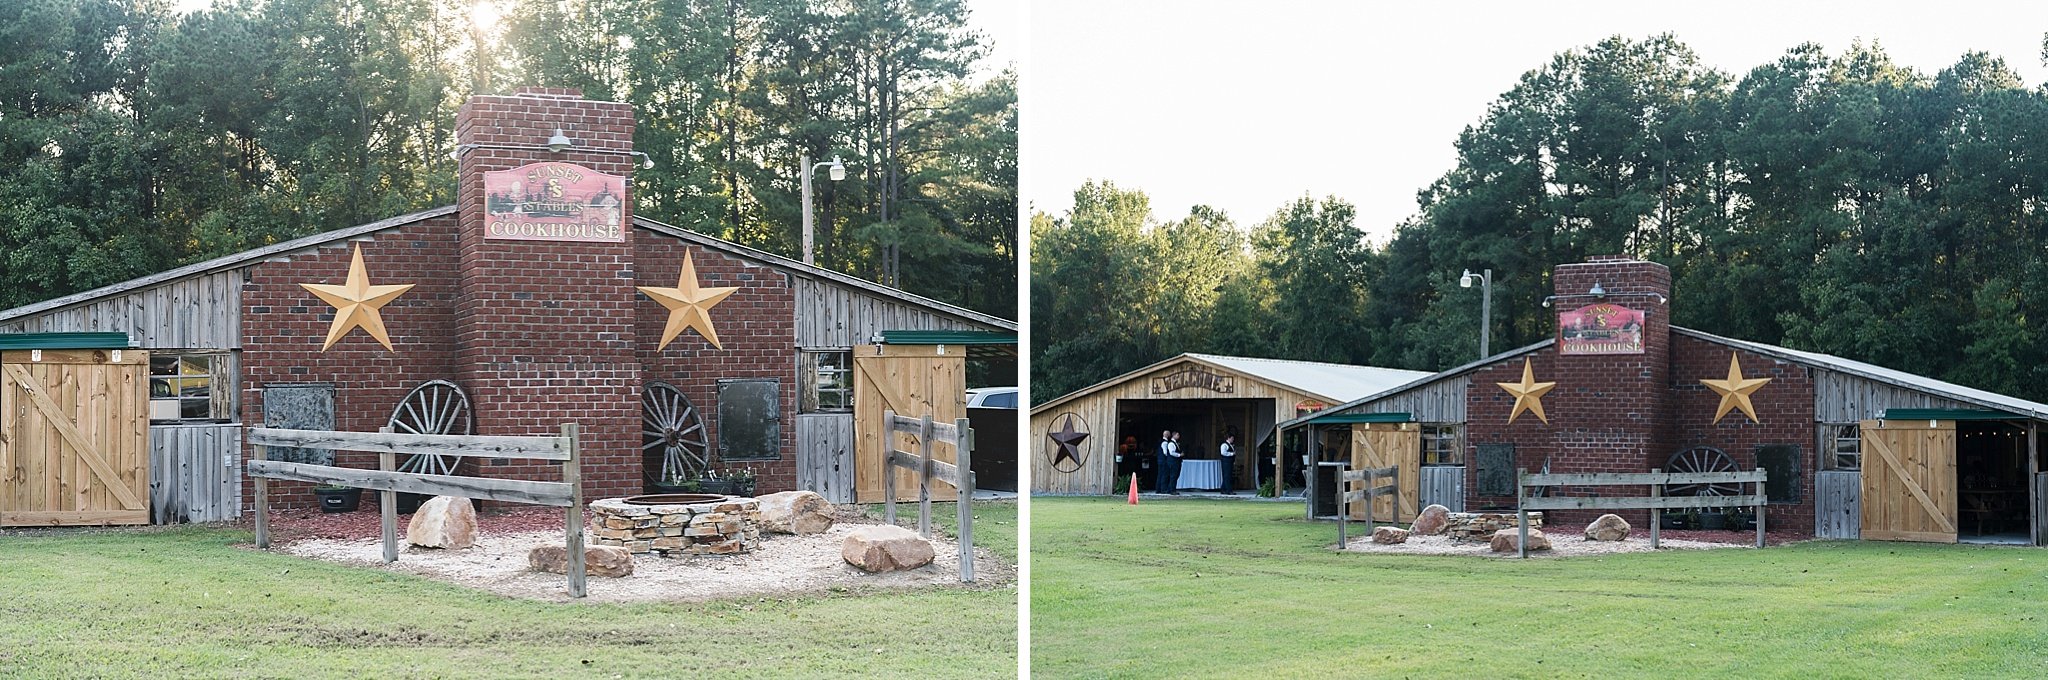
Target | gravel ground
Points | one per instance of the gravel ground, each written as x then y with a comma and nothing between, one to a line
784,564
1569,541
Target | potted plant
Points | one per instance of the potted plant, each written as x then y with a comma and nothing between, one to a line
338,498
1672,519
1713,519
742,481
676,483
1741,520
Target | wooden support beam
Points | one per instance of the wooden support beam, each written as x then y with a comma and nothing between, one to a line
964,508
572,523
262,454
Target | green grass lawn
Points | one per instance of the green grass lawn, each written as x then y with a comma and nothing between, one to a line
1202,588
197,602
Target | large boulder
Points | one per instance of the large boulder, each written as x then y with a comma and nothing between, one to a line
1504,540
795,512
598,560
1432,521
1389,535
444,522
885,547
1610,527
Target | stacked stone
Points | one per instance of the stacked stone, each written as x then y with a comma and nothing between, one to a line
1467,526
723,527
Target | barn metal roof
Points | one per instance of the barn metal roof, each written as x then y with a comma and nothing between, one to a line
1332,382
307,243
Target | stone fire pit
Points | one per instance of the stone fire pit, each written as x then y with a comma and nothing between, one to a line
1479,526
688,524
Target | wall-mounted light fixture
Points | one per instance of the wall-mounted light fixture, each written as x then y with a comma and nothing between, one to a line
560,142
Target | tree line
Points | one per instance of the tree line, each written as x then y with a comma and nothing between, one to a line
134,138
1838,203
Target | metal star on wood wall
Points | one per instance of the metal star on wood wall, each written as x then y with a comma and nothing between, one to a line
1528,394
1735,391
356,303
689,305
1067,443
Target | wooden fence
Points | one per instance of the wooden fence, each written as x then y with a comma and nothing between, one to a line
1656,502
1366,493
567,493
959,473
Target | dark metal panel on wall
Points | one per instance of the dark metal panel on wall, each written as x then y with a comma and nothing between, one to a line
750,419
1495,465
299,406
1781,471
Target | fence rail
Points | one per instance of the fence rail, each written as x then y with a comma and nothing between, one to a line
1366,493
1656,502
959,473
567,494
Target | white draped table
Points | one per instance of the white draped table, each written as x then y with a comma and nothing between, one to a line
1201,474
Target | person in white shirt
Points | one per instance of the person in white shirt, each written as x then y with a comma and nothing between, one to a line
1228,450
1169,463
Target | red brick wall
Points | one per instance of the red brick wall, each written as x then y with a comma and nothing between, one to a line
283,327
757,330
1630,413
1784,408
544,329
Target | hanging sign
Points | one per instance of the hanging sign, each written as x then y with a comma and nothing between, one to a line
554,202
1601,328
1195,377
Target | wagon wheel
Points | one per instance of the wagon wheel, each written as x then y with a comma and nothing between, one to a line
435,407
670,427
1701,459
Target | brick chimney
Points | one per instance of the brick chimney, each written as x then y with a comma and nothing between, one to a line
544,322
1615,394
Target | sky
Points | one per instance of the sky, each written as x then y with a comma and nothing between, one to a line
1245,106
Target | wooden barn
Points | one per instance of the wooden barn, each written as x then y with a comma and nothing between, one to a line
1851,450
1205,397
538,299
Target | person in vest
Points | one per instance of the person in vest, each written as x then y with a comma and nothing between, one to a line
1169,463
1228,451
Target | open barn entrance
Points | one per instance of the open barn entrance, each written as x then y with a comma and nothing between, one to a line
1203,423
1991,482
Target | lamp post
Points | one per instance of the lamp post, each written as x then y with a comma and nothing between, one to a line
1485,279
837,172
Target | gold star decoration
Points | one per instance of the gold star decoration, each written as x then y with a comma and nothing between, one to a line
356,303
1735,391
689,305
1528,394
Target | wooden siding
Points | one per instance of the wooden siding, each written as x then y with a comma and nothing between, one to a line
1443,485
202,312
831,315
824,455
73,449
1843,398
1836,511
1098,409
195,473
1442,401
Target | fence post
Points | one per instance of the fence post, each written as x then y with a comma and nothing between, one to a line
572,522
1343,513
1522,510
388,505
1396,479
889,466
1761,500
963,457
262,501
1370,498
924,475
1656,514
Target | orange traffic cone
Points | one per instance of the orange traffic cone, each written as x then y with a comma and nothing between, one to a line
1134,488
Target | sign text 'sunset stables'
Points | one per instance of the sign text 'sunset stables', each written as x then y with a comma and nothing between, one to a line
1193,377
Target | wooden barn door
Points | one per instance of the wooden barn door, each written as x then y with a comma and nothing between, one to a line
911,380
1378,445
1909,480
74,437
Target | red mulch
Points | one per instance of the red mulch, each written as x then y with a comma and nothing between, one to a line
291,525
1746,537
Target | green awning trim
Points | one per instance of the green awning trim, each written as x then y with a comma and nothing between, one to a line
63,340
1947,414
948,338
1342,418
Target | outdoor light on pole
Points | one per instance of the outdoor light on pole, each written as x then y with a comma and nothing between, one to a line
1485,279
837,172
